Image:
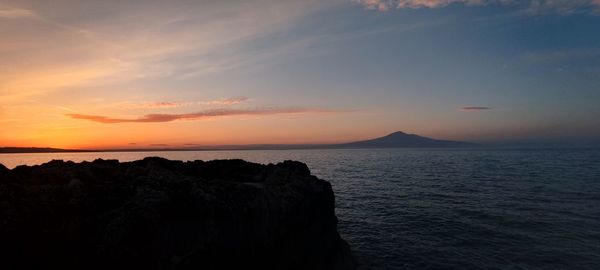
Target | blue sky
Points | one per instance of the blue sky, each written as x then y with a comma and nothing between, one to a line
299,71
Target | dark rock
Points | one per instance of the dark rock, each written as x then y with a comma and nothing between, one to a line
3,171
162,214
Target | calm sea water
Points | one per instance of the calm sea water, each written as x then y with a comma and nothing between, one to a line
444,208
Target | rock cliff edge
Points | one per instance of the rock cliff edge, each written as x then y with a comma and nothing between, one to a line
161,214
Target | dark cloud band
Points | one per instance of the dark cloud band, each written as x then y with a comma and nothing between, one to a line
474,109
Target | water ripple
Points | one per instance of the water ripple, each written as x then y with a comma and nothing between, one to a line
446,208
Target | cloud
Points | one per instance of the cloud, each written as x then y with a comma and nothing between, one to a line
474,109
76,44
159,118
384,5
163,105
15,13
169,104
228,101
151,105
531,6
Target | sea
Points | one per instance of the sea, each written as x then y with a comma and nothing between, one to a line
470,208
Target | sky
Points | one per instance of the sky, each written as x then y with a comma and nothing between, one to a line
130,74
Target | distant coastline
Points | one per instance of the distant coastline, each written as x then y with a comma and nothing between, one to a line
24,150
394,140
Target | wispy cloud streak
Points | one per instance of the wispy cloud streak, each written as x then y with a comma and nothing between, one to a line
532,6
228,101
15,13
384,5
171,104
66,45
158,118
151,105
474,109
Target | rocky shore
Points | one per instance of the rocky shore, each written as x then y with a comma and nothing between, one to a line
160,214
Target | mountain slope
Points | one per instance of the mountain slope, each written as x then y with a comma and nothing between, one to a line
401,139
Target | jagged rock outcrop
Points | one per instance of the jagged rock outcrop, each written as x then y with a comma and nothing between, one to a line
162,214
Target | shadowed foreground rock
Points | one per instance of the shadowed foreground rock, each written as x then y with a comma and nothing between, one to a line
161,214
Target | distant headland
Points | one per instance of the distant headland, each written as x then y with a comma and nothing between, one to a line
401,139
397,139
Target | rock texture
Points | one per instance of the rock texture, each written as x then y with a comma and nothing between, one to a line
162,214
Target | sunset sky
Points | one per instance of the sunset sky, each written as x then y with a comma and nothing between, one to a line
103,74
